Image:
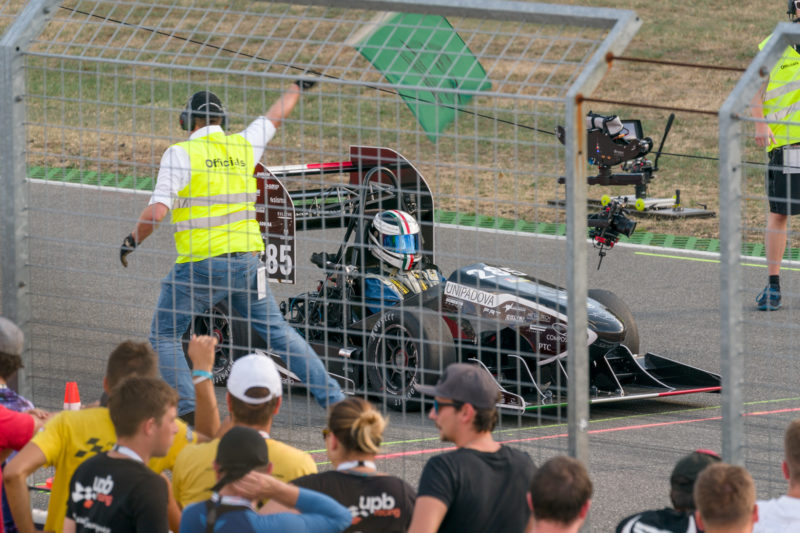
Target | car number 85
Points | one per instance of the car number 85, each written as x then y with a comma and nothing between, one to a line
279,257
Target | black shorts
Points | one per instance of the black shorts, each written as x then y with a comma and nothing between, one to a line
783,190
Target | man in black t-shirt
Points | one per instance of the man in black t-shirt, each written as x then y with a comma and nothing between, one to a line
482,485
115,492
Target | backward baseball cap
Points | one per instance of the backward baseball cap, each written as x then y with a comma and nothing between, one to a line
11,339
465,383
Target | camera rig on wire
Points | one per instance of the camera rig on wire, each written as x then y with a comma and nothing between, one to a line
606,226
612,141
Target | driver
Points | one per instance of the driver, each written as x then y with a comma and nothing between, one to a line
398,269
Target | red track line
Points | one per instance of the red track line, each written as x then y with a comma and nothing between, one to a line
593,431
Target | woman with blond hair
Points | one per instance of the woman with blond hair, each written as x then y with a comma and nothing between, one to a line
378,502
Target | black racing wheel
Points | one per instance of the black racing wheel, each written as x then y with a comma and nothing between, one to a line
231,334
621,310
406,349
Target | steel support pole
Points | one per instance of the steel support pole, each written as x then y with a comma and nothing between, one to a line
733,110
13,171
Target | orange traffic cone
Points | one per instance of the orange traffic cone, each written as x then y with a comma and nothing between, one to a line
72,399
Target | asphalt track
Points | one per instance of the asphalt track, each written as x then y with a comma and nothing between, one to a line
84,303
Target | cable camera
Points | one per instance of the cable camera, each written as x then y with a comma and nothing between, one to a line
607,225
612,141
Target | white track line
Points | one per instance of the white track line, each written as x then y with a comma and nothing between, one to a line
644,247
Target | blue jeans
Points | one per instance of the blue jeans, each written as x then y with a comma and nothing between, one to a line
192,288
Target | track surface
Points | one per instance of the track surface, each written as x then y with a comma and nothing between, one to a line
84,303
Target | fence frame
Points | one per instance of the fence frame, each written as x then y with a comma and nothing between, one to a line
730,230
14,250
622,25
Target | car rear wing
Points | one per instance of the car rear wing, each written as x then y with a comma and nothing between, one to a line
378,179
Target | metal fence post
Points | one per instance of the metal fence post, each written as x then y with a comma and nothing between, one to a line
13,172
730,229
578,358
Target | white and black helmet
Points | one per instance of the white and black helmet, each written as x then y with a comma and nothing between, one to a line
394,238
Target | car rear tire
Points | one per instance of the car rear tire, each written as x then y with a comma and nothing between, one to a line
231,336
621,310
406,349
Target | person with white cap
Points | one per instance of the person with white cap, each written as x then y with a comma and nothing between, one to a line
253,398
242,466
482,485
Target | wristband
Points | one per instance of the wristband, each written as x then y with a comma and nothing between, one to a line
200,379
202,374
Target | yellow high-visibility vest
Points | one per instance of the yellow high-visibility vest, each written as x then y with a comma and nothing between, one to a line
215,213
782,99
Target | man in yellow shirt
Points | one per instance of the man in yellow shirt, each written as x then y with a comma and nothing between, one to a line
254,398
71,437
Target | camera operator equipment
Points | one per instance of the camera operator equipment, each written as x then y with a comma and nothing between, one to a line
607,225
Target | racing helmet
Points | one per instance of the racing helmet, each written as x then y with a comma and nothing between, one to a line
394,238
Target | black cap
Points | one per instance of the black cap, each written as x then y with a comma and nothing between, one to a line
465,383
203,102
689,467
240,451
205,105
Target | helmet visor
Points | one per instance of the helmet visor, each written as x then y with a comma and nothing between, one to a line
403,244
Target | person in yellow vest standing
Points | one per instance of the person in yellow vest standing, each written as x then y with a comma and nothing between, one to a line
778,102
208,184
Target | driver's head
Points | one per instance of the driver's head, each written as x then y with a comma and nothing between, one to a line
394,239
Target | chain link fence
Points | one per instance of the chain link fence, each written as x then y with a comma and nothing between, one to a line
445,111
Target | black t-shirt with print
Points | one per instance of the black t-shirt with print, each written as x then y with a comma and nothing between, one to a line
483,491
378,503
110,495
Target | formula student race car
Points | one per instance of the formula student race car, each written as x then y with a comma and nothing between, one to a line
505,321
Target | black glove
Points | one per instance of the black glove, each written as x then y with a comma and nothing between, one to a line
305,84
127,248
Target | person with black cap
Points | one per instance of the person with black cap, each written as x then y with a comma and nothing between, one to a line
208,183
680,517
243,467
482,485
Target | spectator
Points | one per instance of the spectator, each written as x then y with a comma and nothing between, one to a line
253,398
11,344
679,518
114,490
726,500
242,469
71,437
378,502
480,486
783,514
16,429
560,496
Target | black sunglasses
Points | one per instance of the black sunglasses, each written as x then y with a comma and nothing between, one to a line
437,404
325,433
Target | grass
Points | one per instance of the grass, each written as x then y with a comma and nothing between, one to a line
107,117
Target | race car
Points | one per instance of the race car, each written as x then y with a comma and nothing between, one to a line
511,324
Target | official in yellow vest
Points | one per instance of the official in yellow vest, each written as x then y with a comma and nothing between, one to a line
777,108
207,182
